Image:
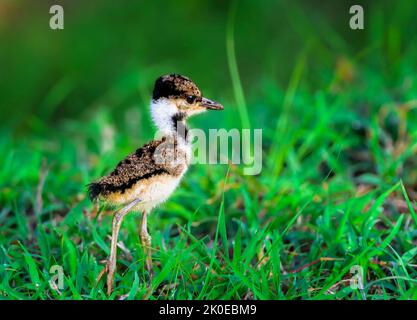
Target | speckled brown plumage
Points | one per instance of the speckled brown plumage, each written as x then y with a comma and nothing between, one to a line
175,86
158,157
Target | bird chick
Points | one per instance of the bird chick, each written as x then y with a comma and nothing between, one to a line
147,177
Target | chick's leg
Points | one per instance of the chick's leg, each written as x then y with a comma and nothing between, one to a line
146,241
111,262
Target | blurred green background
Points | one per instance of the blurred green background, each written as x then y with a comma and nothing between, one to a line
109,53
337,108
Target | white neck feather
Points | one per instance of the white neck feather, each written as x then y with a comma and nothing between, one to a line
162,111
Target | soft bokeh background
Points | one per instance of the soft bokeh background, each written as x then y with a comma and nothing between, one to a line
109,53
337,108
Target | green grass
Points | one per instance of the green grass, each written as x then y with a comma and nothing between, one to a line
338,186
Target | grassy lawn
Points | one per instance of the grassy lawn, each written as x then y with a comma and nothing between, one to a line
338,187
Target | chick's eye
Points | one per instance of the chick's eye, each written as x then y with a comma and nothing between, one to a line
190,99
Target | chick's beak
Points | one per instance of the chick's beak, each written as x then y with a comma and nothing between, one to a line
210,104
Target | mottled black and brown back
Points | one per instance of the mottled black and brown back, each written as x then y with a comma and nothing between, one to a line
150,174
136,166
